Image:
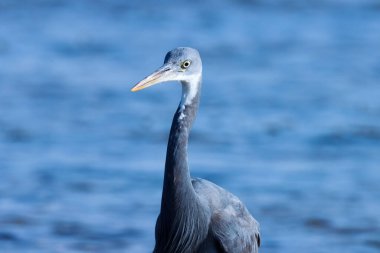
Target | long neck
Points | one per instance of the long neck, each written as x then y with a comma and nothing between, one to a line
183,221
177,180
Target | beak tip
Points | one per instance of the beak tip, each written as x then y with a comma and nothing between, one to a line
134,89
156,77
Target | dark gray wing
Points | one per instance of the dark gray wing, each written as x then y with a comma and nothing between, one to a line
231,224
235,229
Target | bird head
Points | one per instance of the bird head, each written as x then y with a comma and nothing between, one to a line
181,64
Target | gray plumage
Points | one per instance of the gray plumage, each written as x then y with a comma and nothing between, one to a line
196,215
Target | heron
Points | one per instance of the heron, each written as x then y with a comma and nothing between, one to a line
196,215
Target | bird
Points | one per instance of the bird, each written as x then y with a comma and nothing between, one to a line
196,216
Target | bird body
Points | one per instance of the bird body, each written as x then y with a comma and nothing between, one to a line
196,215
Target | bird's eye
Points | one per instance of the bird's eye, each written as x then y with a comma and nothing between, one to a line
185,64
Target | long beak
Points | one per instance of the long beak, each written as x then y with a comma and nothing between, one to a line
159,76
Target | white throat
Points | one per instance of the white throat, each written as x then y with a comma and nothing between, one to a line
190,89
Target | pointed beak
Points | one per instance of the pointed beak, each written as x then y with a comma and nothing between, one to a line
159,76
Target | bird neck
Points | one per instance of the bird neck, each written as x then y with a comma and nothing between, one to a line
183,220
177,180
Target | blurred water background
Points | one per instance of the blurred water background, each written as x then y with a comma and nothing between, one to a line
289,120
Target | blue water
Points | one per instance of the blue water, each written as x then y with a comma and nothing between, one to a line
289,120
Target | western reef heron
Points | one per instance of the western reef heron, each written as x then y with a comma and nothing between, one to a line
196,215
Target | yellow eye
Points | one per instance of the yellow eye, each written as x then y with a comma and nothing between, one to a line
185,64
